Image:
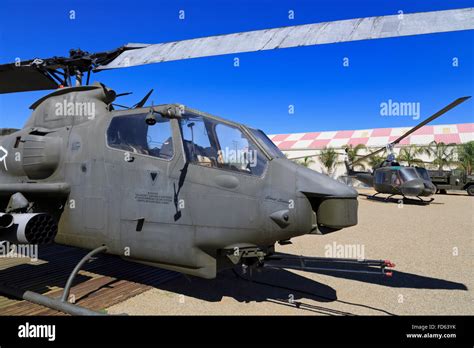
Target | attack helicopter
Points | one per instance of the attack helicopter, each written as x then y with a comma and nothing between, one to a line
168,185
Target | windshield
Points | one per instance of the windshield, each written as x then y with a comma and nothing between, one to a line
422,172
265,141
215,144
408,173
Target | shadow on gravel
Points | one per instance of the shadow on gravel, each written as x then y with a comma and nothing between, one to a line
248,288
398,280
276,286
401,280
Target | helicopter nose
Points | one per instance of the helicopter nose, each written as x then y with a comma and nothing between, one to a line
413,188
334,203
428,189
314,183
416,188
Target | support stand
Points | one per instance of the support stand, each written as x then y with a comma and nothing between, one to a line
56,303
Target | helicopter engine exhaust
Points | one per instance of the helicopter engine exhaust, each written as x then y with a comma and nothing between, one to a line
37,228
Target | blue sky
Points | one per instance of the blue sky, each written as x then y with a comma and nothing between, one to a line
326,95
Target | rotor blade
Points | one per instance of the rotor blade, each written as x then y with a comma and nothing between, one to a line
24,78
431,118
310,156
302,157
142,102
414,129
367,156
123,94
299,35
41,74
121,106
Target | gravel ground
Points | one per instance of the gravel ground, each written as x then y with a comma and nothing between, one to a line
432,247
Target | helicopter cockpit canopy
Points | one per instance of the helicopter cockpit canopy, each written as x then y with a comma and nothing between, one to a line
210,142
265,141
423,173
396,175
131,133
408,174
207,141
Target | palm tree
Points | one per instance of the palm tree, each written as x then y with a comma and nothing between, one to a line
306,162
466,156
328,158
375,160
442,154
408,154
353,154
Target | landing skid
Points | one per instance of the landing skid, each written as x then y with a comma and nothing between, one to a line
303,263
418,200
424,201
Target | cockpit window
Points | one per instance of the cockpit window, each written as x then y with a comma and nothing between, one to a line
408,173
196,141
265,141
395,179
423,173
131,133
380,177
211,143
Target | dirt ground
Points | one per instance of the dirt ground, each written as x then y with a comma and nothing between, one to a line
432,247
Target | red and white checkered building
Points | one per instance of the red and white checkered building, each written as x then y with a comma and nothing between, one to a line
306,144
450,133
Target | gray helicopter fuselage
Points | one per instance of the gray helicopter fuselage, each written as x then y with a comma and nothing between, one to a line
177,204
